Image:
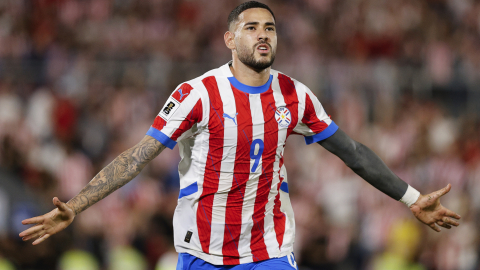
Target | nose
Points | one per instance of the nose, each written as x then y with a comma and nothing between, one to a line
262,35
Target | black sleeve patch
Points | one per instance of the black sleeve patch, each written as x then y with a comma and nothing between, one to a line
188,236
169,109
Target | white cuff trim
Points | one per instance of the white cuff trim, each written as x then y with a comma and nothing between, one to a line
410,196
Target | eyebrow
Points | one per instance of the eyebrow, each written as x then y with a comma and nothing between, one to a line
257,23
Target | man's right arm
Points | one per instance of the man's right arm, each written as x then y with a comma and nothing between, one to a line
115,175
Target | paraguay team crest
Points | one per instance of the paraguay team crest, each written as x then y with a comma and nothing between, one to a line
283,117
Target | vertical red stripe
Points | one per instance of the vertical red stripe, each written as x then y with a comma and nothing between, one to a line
193,117
310,117
257,243
290,96
212,166
241,172
289,93
278,217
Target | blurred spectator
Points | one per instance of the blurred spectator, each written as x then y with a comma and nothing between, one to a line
78,260
6,264
126,258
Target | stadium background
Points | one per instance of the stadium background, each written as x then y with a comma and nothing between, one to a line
82,80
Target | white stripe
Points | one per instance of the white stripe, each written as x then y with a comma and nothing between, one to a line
252,183
200,154
189,169
226,167
301,94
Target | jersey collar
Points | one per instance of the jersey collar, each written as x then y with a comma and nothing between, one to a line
243,87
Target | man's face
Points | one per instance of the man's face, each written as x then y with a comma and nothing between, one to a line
255,38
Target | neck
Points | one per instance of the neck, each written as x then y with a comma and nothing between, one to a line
247,75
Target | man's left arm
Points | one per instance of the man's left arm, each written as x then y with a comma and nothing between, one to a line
371,168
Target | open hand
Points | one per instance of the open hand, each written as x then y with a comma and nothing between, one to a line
48,224
428,210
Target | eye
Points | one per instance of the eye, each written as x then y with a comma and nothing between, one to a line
250,28
270,29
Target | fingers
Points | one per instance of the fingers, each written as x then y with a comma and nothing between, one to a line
33,220
60,205
40,229
434,227
443,224
452,214
32,236
450,221
31,230
41,239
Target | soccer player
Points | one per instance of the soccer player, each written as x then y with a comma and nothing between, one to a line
231,125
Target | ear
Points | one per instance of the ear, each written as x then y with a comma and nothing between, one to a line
229,40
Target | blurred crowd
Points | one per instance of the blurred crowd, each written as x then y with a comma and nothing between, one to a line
82,80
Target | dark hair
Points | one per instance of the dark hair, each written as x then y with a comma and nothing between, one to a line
244,6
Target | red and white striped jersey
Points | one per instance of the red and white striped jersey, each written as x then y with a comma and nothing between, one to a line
233,205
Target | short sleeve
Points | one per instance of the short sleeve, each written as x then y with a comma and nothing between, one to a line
315,124
182,110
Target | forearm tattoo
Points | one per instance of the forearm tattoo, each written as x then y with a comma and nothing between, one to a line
116,174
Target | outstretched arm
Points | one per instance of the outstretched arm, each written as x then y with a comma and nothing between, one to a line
369,166
115,175
365,163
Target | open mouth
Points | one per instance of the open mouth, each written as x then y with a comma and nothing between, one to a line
263,48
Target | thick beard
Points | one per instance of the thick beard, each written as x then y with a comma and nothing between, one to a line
250,61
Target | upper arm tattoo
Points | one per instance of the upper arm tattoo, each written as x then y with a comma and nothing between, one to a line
116,174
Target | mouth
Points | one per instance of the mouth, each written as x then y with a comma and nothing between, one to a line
263,48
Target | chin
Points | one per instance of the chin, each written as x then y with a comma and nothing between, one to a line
264,59
263,55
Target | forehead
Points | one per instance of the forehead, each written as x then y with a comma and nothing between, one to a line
260,15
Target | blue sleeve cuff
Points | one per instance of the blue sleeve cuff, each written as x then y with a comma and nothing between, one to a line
329,131
164,139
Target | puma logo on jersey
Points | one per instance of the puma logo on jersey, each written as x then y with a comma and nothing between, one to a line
181,94
229,117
